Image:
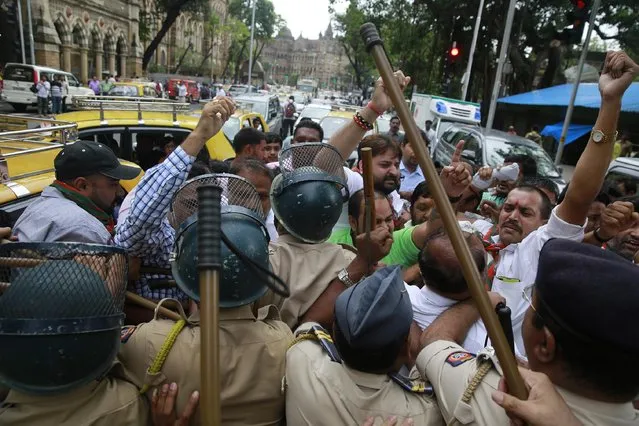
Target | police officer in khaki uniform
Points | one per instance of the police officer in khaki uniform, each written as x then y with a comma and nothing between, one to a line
359,376
60,324
307,200
252,346
580,330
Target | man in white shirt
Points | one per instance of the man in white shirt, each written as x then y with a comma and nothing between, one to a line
43,87
387,157
444,282
182,92
431,136
220,91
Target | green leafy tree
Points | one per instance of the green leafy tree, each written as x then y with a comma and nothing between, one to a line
167,11
418,34
267,25
347,26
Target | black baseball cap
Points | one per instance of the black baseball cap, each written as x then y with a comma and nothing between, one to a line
84,158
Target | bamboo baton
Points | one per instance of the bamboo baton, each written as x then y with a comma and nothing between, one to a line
374,45
369,198
209,240
149,304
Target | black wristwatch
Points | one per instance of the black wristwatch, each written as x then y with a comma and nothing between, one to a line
595,234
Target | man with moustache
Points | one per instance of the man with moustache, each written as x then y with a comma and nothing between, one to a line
526,221
626,243
387,156
411,174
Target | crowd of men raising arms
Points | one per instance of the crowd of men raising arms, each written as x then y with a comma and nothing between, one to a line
377,329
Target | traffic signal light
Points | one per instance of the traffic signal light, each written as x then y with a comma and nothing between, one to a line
453,53
577,17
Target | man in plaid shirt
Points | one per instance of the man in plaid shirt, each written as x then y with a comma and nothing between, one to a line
146,232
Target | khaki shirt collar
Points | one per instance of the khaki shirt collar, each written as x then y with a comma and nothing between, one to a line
239,313
608,409
367,380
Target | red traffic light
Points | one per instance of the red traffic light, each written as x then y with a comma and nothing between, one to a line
454,51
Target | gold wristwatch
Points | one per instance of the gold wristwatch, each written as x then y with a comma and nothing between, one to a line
600,137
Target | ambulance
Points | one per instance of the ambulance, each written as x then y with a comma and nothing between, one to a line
443,111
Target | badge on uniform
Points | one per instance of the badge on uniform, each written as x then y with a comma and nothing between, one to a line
126,333
458,358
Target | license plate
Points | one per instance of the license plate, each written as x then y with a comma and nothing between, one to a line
18,88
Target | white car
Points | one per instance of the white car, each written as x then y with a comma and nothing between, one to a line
314,111
19,78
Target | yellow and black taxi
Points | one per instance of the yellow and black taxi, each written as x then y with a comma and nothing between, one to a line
28,147
136,89
140,129
243,117
336,119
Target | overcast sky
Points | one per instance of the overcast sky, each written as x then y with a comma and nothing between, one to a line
310,17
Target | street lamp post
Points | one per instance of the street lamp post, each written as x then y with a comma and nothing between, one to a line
250,68
31,41
469,67
500,65
573,95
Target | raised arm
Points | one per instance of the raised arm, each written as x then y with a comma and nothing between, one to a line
346,139
617,75
154,193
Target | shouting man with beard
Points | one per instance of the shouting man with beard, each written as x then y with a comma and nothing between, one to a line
387,156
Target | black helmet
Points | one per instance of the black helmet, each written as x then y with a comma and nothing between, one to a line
60,314
307,197
242,222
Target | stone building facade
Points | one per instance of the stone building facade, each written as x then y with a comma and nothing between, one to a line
323,59
97,37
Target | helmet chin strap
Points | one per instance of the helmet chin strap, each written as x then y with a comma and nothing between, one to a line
273,282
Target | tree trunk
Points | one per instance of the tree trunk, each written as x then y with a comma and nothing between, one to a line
238,62
169,20
554,61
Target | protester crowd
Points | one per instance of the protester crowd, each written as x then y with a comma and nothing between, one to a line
379,326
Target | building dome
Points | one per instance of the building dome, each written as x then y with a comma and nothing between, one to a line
285,33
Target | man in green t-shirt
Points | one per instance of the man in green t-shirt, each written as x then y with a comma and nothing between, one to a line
404,244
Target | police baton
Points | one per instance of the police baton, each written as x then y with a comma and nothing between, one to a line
369,199
209,249
374,45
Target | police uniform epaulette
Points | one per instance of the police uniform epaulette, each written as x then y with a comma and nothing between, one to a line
126,332
319,334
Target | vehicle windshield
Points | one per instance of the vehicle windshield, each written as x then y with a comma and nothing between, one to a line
330,125
231,127
314,113
253,105
131,91
497,149
238,90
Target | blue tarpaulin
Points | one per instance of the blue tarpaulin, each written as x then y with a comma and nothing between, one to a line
587,97
575,131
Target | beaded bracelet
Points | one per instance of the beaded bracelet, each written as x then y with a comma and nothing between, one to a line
361,122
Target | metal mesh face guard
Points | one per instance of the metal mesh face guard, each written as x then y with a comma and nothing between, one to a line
312,161
236,192
307,197
242,222
60,314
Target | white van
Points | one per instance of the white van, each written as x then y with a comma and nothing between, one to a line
18,79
